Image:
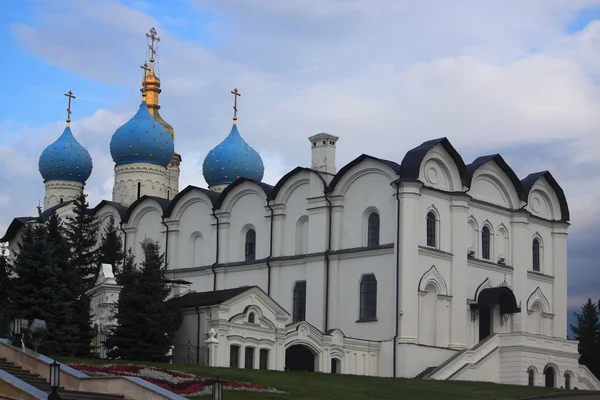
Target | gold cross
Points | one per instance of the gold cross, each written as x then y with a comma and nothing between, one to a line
154,38
70,96
146,69
235,94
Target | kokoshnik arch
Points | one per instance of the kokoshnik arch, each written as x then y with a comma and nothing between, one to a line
424,267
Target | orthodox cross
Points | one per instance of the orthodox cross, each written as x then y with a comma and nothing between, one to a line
70,96
146,69
154,38
235,94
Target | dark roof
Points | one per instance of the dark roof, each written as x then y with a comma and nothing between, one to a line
48,212
121,209
266,188
212,196
531,179
411,163
15,226
163,203
393,165
497,158
202,299
284,179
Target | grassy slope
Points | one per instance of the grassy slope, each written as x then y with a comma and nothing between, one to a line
302,386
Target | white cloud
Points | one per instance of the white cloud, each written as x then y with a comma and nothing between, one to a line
384,75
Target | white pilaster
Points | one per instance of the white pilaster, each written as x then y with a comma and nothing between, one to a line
522,262
459,208
559,258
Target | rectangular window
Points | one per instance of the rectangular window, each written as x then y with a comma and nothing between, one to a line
264,359
299,306
249,364
234,356
368,298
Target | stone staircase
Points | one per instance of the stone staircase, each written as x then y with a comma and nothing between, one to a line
422,374
43,385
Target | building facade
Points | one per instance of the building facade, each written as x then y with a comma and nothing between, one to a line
421,267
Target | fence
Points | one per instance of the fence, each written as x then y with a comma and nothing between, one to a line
190,354
98,350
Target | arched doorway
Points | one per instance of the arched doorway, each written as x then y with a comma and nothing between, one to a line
549,375
499,298
299,358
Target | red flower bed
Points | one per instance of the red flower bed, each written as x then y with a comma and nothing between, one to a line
174,381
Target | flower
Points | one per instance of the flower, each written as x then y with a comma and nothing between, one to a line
178,382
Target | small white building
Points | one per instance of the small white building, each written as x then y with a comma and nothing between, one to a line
421,266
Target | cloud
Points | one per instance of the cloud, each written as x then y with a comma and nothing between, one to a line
383,75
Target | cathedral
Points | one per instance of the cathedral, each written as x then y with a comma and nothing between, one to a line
421,267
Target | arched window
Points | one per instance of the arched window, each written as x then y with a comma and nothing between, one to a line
549,375
431,229
373,230
368,298
531,377
139,189
250,248
251,318
567,380
299,302
485,243
168,195
535,251
61,200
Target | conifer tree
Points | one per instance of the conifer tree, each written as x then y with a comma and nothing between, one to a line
146,322
587,332
111,246
5,282
81,230
37,291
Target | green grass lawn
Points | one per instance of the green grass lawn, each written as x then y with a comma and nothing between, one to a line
302,386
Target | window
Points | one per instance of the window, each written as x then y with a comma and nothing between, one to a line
535,250
567,381
249,364
139,189
264,359
299,306
251,318
168,195
61,200
531,377
373,230
234,356
485,243
368,298
250,248
431,229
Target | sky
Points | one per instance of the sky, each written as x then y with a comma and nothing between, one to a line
519,78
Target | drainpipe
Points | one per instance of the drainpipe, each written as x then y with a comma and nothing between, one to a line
198,337
397,183
270,250
166,243
329,206
217,254
124,243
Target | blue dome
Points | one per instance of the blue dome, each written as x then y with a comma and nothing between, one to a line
142,139
233,158
66,159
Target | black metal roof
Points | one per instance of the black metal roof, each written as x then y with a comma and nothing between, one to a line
203,299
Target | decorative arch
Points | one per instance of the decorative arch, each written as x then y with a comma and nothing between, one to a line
161,206
433,276
537,296
508,171
280,184
143,211
486,284
473,236
195,252
230,202
181,201
360,159
347,183
411,163
531,180
503,244
258,187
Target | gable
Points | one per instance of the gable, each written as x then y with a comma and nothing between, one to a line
491,184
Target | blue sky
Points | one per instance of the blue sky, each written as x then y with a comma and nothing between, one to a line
520,78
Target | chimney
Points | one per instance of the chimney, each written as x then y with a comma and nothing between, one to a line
323,152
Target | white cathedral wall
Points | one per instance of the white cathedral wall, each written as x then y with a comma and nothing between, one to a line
58,191
145,223
289,240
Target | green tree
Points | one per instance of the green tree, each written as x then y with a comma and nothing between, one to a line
81,230
38,291
111,246
5,283
587,332
146,322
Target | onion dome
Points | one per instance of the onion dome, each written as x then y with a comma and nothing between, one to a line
65,159
233,158
142,139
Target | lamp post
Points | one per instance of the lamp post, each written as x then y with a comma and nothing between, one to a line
217,389
54,381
